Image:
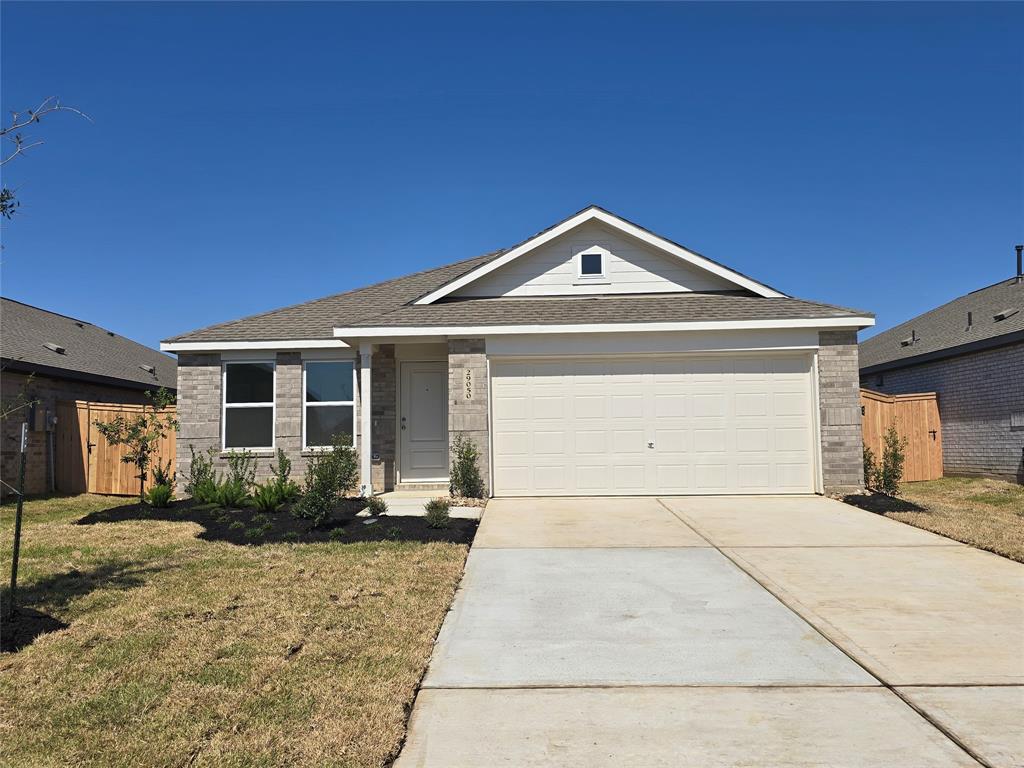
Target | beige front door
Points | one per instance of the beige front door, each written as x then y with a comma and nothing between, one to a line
423,422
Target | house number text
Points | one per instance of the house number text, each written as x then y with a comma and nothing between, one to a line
468,381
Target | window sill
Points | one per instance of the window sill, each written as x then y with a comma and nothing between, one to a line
225,453
591,281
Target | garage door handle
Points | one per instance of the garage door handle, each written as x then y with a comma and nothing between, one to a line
650,443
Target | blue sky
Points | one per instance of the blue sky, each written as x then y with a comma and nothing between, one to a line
248,156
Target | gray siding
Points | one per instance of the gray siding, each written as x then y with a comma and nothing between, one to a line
977,393
839,394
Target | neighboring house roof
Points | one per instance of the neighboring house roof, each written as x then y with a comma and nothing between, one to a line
944,331
398,303
34,339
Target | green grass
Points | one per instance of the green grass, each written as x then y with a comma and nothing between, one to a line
181,651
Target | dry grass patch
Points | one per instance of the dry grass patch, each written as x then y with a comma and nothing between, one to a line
188,652
988,514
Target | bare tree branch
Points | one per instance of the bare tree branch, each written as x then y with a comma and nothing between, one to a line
25,118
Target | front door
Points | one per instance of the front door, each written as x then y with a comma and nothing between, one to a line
423,423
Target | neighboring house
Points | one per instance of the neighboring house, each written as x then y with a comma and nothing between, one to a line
46,357
594,358
971,352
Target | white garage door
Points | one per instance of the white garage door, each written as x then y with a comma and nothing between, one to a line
687,425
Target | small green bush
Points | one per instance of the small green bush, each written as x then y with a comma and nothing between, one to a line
337,534
870,467
330,474
242,469
237,525
200,471
160,495
231,494
205,491
281,469
436,513
376,506
290,536
162,474
890,471
274,494
464,478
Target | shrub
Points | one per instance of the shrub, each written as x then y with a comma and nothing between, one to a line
237,525
242,469
330,473
200,470
870,467
337,534
890,471
160,495
231,494
162,474
281,469
269,496
436,513
290,536
205,491
465,474
376,506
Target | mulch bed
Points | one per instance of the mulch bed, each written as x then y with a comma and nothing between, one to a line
252,527
880,504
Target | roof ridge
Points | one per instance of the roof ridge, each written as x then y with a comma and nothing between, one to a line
55,314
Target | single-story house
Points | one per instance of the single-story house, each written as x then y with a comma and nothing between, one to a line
593,358
46,357
971,352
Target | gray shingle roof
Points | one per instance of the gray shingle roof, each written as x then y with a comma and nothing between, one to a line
945,329
87,348
390,304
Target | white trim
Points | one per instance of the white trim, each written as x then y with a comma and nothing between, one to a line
219,346
700,325
365,419
597,277
224,405
325,403
595,214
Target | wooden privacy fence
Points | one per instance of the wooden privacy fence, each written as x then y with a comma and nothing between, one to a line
916,418
86,462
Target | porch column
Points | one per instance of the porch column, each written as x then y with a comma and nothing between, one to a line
365,419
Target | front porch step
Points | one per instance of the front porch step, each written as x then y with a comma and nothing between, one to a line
435,488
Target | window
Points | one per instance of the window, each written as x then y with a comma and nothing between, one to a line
327,402
249,405
591,265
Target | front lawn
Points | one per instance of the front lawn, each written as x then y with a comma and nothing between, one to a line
988,514
182,651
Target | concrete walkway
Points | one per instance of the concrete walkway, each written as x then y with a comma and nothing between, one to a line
722,631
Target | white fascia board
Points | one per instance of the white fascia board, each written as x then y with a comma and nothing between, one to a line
852,323
224,346
592,214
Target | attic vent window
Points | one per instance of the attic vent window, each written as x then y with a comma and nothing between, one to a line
148,369
591,265
1005,314
55,348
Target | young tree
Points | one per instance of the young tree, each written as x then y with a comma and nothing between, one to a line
141,433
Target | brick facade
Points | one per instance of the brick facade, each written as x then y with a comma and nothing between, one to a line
978,392
840,418
39,469
468,397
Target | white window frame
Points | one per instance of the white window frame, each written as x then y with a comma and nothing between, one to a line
351,402
592,250
224,405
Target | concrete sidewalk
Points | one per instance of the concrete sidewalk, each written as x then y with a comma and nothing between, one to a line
722,632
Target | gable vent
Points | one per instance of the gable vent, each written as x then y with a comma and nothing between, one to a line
55,348
1005,314
148,369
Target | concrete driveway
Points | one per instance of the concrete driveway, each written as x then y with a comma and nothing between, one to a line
722,631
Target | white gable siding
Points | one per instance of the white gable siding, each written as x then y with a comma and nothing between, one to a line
630,267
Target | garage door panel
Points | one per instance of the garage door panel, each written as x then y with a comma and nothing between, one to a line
692,424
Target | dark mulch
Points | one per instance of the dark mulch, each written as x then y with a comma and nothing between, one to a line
880,504
252,527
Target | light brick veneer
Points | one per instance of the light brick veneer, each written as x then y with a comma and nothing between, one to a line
839,393
383,391
468,415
